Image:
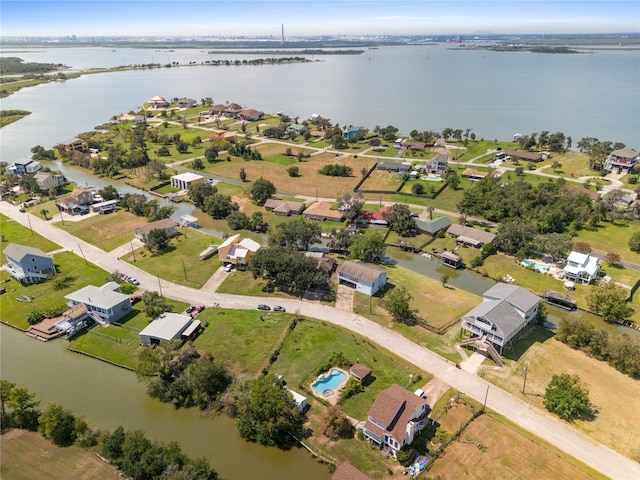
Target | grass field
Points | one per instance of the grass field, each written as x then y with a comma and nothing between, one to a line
382,180
610,391
13,232
44,295
180,262
503,450
612,238
29,456
105,231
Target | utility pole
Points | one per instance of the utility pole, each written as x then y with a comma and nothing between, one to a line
524,383
185,272
160,285
85,258
29,219
133,252
485,399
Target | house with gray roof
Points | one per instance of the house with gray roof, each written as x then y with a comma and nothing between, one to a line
362,276
168,326
46,181
28,264
469,235
433,226
622,160
504,316
284,207
105,304
169,226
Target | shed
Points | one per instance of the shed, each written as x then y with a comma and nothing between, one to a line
301,400
166,327
360,371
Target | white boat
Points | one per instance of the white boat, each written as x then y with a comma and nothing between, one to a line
209,251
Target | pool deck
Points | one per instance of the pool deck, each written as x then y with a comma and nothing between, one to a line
335,396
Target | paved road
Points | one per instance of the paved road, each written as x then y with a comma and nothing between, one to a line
561,435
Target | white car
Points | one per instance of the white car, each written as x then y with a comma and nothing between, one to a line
133,281
228,268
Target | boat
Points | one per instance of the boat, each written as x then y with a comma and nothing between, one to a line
208,252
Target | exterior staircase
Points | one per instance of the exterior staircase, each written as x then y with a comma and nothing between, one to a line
481,343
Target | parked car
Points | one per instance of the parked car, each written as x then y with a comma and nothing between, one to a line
191,308
198,309
135,299
228,268
278,308
262,306
133,281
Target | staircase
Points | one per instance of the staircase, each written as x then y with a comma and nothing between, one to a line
482,344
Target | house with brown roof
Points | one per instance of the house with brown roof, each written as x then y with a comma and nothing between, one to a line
73,145
360,372
438,165
323,211
251,115
158,102
77,203
166,224
346,471
469,235
223,135
283,207
374,219
526,156
364,277
473,174
595,196
394,418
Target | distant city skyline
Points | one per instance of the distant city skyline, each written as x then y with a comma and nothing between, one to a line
305,18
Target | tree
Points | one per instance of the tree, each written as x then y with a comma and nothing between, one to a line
341,240
417,188
634,242
337,424
293,171
23,405
44,212
155,304
400,220
238,221
207,379
398,303
219,206
298,234
199,192
262,190
582,247
453,181
444,279
350,206
609,300
369,247
57,424
243,175
197,164
109,192
514,237
269,415
5,394
336,170
612,258
157,240
566,397
211,154
290,270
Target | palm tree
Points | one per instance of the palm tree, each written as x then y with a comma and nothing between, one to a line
44,212
430,210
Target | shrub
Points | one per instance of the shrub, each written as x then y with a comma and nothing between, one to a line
405,455
352,388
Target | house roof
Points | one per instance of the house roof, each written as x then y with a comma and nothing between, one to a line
472,172
167,326
524,155
323,209
159,224
17,252
346,471
359,370
469,233
393,407
595,196
586,263
367,272
157,99
326,264
187,177
519,297
454,257
229,241
105,296
435,225
625,153
249,244
71,141
500,314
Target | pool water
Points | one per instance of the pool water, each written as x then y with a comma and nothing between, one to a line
541,267
429,178
328,384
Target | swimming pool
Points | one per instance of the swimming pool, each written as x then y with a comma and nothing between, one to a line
429,178
325,386
541,267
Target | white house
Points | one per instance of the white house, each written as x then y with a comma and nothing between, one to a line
184,180
581,268
394,418
105,304
23,167
364,277
168,326
301,400
237,251
621,161
505,312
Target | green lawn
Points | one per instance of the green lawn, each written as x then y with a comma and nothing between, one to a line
180,262
13,232
44,295
115,343
611,237
239,338
105,231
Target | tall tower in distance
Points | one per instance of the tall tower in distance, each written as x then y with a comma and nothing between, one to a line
282,26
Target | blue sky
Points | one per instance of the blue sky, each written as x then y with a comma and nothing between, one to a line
314,17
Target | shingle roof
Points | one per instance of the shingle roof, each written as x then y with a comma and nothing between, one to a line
359,370
159,224
367,272
105,296
519,297
435,225
323,209
471,233
394,407
17,252
625,153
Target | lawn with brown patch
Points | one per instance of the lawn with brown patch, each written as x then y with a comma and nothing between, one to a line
105,231
613,394
29,456
504,454
382,180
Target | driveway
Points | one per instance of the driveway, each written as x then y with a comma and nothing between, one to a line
540,423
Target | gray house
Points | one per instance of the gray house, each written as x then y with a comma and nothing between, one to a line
28,264
47,181
364,277
503,316
105,304
168,326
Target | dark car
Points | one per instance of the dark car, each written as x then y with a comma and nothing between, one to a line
135,299
278,308
191,309
262,306
198,309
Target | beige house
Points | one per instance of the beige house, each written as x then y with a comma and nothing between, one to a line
73,145
237,251
47,181
323,211
166,224
158,102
